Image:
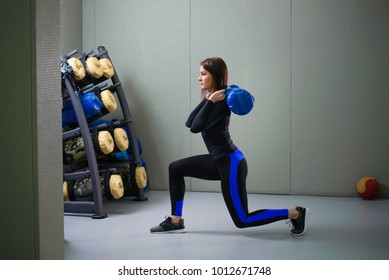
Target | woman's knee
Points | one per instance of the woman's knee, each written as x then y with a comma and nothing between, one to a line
239,223
174,167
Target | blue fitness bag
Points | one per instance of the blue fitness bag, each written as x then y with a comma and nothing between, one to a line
239,101
91,105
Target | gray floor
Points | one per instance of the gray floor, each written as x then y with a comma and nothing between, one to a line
338,229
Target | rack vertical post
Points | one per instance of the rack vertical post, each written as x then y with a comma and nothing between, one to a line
94,207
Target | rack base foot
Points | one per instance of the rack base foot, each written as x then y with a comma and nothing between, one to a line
141,198
99,216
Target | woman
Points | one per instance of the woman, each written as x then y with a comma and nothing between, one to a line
224,162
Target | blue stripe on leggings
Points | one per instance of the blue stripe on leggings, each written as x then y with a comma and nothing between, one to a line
179,206
236,157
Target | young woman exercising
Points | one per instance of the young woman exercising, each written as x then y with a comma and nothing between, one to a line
224,162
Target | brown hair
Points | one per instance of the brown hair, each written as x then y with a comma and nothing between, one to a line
218,69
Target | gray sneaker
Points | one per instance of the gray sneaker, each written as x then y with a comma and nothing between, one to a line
300,224
168,226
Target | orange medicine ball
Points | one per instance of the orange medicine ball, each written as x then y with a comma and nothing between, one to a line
368,188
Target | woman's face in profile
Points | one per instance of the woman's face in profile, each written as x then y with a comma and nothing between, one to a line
205,79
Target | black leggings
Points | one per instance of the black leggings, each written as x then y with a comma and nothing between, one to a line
231,170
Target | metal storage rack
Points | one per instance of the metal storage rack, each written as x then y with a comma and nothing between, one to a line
94,169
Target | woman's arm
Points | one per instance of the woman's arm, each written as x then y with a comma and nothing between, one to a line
208,112
194,113
209,115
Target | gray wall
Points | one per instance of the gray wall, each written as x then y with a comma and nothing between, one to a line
71,25
48,154
31,206
340,95
318,70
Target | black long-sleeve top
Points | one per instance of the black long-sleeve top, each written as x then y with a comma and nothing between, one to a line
213,120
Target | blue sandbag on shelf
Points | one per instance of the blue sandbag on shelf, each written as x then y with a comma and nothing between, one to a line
91,105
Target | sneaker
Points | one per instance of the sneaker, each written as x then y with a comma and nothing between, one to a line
300,224
168,226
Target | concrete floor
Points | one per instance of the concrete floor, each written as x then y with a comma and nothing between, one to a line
339,228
